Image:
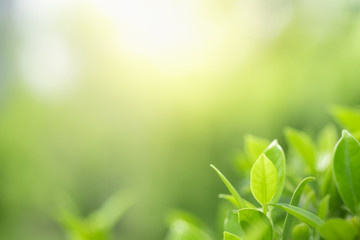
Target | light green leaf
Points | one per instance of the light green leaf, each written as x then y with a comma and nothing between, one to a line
337,229
326,141
294,201
300,232
324,207
263,180
348,118
346,169
183,230
310,198
239,200
327,181
231,199
255,224
295,198
183,226
327,138
302,214
99,223
232,224
254,146
106,216
229,236
67,212
303,146
276,155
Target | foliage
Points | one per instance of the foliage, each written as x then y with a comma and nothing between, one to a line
320,198
98,224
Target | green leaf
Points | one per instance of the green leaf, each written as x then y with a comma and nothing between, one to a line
337,229
324,207
239,200
232,225
99,223
67,212
229,236
276,154
300,232
263,180
255,224
302,214
106,216
346,169
326,141
327,181
303,146
183,230
310,198
183,226
327,138
254,146
348,118
231,199
295,199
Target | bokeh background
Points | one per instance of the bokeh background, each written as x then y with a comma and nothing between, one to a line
99,96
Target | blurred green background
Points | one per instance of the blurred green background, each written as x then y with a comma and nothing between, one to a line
101,96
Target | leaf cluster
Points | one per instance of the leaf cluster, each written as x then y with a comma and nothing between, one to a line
311,192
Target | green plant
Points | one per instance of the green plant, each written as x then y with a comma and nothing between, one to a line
98,224
313,193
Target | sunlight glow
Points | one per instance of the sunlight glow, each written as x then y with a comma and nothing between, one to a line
48,65
45,58
170,34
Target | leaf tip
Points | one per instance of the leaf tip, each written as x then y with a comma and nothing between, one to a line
272,144
345,133
311,178
213,167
